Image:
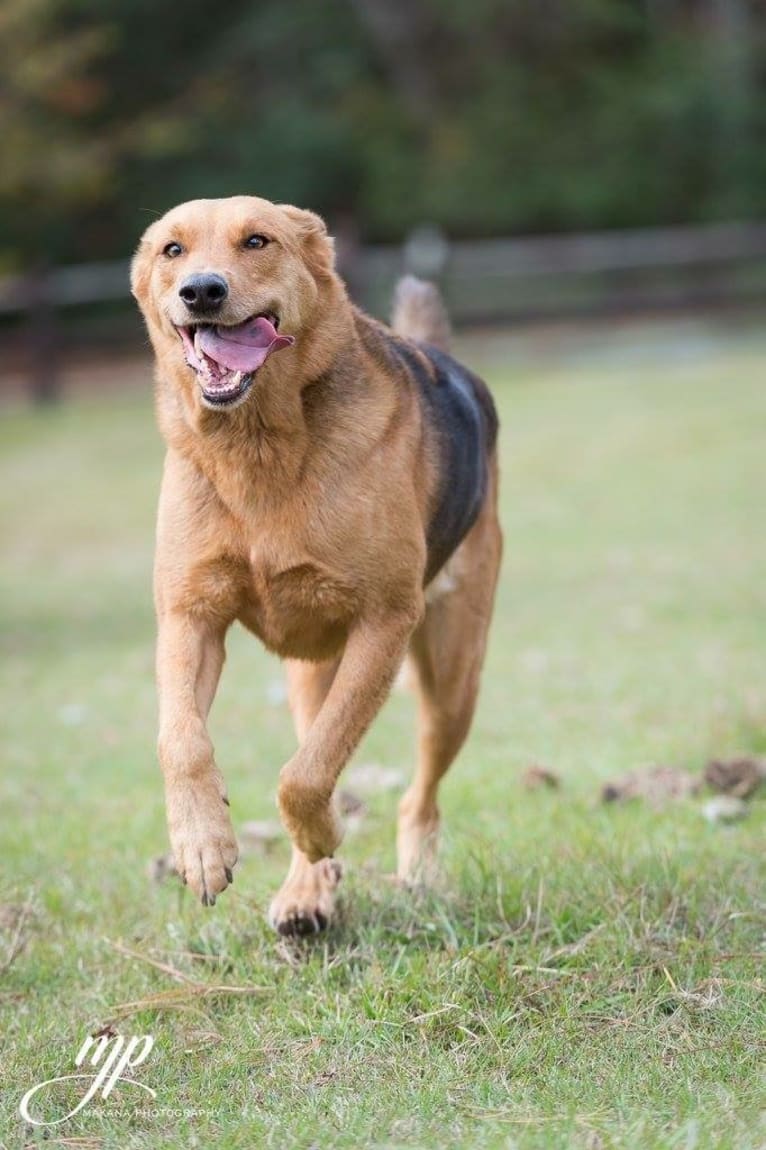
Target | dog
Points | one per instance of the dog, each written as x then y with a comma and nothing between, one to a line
331,483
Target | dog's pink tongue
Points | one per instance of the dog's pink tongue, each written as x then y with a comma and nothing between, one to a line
244,347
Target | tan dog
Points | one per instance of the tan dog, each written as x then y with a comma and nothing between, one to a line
330,484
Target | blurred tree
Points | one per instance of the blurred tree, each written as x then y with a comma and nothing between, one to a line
47,84
490,117
732,71
50,163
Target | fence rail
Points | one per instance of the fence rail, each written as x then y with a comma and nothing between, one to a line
498,280
599,272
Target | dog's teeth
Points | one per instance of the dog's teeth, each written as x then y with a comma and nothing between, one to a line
236,379
196,340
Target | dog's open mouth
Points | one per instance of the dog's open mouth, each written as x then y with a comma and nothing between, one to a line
226,358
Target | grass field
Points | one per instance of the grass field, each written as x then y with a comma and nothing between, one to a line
587,975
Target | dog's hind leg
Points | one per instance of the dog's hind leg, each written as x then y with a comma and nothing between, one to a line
305,902
446,654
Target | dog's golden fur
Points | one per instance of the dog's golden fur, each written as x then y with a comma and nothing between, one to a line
303,512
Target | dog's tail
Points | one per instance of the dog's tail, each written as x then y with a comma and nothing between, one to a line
419,312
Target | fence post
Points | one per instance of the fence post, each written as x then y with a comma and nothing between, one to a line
42,337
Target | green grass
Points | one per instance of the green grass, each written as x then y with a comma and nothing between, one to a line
587,976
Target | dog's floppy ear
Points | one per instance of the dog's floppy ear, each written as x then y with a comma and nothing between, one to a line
317,246
140,270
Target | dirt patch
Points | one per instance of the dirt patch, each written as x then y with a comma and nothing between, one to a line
739,777
537,776
657,786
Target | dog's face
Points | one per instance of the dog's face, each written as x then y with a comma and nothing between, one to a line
223,284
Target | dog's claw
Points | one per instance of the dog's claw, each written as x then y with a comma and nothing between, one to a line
304,905
302,925
229,875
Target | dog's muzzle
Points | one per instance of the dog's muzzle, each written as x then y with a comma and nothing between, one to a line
226,358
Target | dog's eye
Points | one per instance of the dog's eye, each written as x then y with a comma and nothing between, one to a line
172,250
256,241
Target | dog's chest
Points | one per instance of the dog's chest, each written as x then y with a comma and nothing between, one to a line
296,605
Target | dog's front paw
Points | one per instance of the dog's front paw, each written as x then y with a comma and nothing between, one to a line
306,901
201,836
311,819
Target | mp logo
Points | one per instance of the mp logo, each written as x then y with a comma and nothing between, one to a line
112,1055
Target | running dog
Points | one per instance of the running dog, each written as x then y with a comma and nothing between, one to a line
331,483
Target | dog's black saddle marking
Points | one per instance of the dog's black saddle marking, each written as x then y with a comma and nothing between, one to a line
459,407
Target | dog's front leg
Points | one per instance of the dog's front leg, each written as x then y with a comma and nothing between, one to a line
373,654
190,655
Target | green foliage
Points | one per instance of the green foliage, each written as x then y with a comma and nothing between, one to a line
49,81
490,117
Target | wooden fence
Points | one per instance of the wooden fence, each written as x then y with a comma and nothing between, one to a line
486,281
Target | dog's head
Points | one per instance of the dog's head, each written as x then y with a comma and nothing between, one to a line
223,284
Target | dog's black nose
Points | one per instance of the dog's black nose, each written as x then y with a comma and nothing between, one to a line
204,292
